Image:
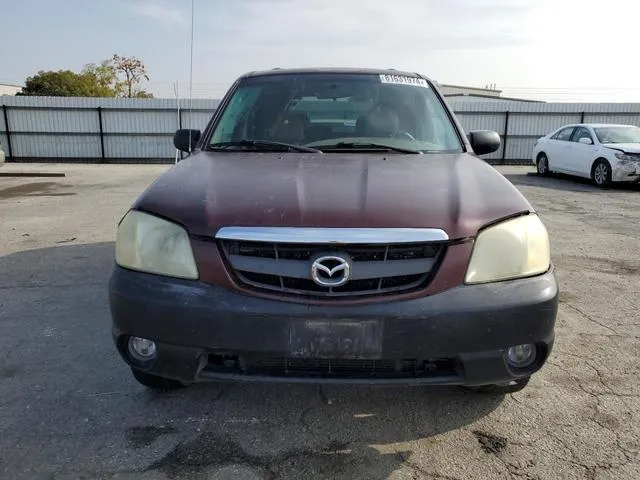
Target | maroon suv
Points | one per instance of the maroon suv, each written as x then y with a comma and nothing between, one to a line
333,225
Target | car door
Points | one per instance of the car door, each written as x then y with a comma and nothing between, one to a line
556,149
581,155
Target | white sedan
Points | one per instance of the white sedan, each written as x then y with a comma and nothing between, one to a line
604,153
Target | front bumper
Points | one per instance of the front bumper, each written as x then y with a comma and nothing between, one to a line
457,337
626,172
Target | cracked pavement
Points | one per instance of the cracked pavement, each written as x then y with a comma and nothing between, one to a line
69,408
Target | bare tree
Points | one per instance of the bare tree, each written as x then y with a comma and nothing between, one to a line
131,71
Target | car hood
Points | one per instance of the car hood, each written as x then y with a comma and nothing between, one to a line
625,147
458,193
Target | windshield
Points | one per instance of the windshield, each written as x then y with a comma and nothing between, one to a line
337,110
628,134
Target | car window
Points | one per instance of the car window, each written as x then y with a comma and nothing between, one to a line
323,109
580,132
618,134
238,108
564,134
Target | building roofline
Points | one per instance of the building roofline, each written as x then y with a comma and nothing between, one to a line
470,88
493,97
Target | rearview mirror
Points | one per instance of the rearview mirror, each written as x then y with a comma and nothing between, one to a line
585,141
186,140
484,141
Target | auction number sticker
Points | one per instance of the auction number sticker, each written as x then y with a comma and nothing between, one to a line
403,80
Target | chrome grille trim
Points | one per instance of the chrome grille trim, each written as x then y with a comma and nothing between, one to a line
300,269
332,236
375,269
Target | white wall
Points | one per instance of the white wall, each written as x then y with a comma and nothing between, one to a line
9,89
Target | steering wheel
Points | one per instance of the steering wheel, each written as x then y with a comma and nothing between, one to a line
405,135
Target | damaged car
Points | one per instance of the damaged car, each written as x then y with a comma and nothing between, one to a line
605,153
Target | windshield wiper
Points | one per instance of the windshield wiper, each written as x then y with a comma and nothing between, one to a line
264,145
365,146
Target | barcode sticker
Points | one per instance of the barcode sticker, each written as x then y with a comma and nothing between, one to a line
403,80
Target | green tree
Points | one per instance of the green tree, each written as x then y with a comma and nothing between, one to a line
65,83
115,77
104,75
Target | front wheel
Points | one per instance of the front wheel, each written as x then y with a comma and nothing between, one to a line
155,382
601,173
542,165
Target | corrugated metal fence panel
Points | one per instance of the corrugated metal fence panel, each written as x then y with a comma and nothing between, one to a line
3,136
196,119
145,121
124,103
142,129
537,108
528,121
53,121
50,146
538,125
139,146
633,119
519,148
478,121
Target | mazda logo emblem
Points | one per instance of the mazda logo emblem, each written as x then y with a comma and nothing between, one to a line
330,270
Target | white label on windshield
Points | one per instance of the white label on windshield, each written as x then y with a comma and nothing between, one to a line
403,80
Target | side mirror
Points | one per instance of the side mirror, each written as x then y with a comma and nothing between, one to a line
186,140
484,141
585,141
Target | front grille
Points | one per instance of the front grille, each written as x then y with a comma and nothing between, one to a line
335,368
375,269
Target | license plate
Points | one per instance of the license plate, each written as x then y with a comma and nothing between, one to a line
336,339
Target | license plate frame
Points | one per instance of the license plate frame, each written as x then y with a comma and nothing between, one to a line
336,339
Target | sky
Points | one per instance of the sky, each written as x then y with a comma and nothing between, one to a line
553,50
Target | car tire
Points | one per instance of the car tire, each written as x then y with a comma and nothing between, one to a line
512,387
601,173
155,382
542,165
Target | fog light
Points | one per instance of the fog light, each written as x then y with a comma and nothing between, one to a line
521,356
142,349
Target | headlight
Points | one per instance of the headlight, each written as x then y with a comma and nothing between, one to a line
153,245
627,158
512,249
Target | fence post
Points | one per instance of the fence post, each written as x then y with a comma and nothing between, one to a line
180,127
7,131
506,133
101,134
581,117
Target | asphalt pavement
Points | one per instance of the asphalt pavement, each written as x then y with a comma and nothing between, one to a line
69,408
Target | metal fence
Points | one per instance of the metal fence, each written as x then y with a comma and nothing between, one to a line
521,123
105,130
96,130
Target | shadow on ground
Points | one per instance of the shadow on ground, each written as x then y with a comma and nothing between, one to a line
567,183
70,406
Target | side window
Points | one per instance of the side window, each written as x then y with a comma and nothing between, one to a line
564,134
581,132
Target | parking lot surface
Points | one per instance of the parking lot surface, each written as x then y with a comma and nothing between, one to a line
70,409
